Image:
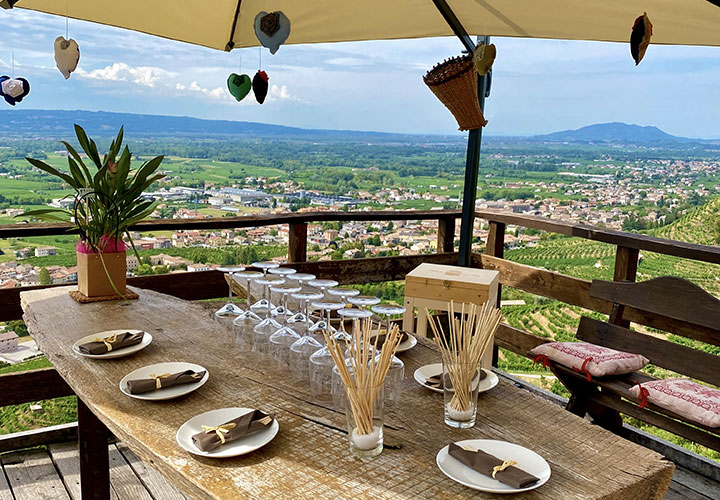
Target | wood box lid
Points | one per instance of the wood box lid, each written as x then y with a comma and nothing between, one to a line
458,276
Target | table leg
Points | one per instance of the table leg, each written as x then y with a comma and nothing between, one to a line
409,316
94,462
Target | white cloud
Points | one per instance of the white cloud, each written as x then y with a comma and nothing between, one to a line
147,76
347,61
281,93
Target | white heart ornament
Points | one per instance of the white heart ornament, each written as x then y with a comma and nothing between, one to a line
272,29
67,55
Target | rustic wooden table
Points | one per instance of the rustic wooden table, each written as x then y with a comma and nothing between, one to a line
310,458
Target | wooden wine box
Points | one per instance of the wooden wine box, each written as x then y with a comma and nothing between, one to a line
433,286
461,284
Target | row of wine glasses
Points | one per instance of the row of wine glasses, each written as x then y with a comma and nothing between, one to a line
292,341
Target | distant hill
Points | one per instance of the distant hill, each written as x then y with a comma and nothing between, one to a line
54,124
615,133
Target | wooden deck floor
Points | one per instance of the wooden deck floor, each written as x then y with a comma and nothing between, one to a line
53,472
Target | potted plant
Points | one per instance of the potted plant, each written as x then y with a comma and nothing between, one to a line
107,203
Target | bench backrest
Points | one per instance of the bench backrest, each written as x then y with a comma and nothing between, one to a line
676,305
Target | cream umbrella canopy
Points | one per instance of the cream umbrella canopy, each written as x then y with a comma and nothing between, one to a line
227,24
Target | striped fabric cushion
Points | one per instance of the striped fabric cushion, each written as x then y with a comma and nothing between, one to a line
696,402
590,359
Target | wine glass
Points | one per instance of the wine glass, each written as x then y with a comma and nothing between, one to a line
322,285
268,326
229,310
283,272
363,301
387,310
300,316
323,324
352,314
263,303
305,346
343,293
283,338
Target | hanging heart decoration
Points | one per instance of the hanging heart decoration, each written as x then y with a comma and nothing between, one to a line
483,58
13,90
67,55
239,86
272,29
640,37
260,86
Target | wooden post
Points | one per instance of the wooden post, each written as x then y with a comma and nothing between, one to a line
495,246
626,264
297,242
94,462
446,235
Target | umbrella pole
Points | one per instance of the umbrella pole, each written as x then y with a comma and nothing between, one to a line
472,164
472,161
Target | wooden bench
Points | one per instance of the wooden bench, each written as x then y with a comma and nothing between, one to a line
690,312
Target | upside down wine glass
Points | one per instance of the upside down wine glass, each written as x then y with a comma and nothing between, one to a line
282,339
283,272
299,320
268,326
229,310
305,346
387,310
321,324
263,303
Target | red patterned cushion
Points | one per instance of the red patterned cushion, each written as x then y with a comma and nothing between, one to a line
589,358
696,402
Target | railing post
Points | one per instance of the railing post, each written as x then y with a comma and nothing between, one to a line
446,235
626,264
297,242
495,246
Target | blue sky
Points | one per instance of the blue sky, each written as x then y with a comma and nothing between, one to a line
539,86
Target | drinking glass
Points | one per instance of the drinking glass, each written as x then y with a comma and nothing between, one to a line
227,312
323,285
268,326
394,379
283,338
343,293
247,314
352,314
283,272
387,310
365,432
461,401
326,306
363,301
263,303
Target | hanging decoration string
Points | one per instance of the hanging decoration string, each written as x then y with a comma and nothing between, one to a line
12,64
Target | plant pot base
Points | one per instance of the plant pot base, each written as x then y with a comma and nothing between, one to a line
93,272
80,297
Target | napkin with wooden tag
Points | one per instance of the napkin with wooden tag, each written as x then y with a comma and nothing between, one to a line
164,380
111,342
215,436
491,466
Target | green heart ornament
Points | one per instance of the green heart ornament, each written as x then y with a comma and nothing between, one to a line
239,85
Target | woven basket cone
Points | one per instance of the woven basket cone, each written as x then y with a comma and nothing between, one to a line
454,82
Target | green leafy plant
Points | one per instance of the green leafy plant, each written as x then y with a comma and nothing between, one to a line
107,202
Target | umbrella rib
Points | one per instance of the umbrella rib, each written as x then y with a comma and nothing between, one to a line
231,44
455,24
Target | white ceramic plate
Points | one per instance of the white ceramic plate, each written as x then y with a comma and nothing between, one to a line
408,343
161,394
240,446
425,372
528,460
115,353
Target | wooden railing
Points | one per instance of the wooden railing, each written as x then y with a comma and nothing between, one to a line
210,284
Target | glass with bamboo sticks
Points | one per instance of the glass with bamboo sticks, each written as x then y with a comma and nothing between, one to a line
363,375
470,335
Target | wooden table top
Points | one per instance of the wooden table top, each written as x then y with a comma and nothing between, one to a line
310,458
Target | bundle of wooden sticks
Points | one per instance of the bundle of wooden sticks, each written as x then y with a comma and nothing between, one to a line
463,347
364,373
